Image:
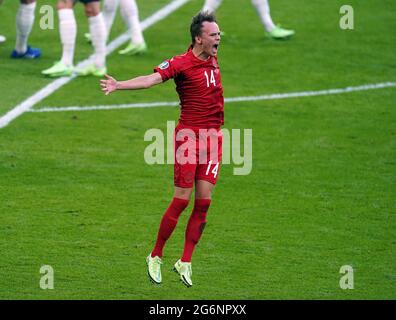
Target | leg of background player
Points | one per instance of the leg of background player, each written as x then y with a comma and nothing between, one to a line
263,10
68,33
109,12
98,33
130,14
24,24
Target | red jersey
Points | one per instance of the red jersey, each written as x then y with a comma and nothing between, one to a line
198,84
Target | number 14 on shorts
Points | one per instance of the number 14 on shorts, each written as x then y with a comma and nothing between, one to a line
214,170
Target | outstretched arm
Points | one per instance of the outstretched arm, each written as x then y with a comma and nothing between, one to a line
143,82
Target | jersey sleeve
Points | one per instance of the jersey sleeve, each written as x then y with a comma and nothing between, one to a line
168,69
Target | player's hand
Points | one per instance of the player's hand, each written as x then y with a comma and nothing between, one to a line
108,85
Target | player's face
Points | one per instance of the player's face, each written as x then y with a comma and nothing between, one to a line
210,38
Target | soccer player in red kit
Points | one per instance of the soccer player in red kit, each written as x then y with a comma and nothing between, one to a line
198,83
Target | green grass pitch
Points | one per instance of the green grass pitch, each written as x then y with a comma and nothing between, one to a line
76,194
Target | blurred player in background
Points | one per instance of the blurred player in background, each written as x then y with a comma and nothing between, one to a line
263,10
130,13
24,24
198,83
68,32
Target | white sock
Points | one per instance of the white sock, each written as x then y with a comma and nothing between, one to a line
211,5
24,23
130,14
68,32
97,29
263,11
109,12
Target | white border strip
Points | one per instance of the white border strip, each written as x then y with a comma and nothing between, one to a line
275,96
58,83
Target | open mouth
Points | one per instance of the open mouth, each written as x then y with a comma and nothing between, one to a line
216,46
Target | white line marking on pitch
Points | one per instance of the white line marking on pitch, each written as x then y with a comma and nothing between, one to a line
58,83
227,100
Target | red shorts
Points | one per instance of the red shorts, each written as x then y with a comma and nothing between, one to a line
198,155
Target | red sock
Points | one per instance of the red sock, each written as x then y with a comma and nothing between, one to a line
168,224
195,227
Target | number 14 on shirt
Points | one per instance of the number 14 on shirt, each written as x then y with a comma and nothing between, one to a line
212,78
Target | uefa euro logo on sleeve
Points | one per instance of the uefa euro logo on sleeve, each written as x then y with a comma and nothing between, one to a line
164,65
